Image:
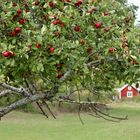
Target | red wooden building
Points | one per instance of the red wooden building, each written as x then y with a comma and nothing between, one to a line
128,91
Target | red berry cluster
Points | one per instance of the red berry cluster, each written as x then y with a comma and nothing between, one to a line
59,70
16,31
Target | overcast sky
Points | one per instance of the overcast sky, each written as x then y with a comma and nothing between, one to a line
137,3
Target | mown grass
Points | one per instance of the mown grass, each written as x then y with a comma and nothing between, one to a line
26,126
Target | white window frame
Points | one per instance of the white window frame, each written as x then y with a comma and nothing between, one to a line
129,88
128,94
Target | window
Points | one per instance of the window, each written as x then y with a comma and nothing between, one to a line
129,94
129,87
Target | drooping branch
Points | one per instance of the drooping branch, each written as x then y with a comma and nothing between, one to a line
97,108
22,91
66,100
103,115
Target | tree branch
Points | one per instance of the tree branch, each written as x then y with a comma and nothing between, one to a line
21,91
96,108
5,92
66,75
29,98
30,87
26,100
97,62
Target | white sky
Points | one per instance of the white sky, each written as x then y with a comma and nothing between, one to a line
137,3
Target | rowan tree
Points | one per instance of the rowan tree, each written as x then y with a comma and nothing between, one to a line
46,45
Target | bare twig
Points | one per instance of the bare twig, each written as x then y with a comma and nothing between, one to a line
38,104
49,109
42,110
79,114
96,109
103,115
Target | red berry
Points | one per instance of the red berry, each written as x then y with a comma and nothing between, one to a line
98,25
90,11
55,16
38,45
25,4
19,11
51,4
36,2
52,49
27,10
6,54
59,75
111,50
82,41
106,13
21,21
106,29
29,46
68,0
13,33
134,62
62,24
46,16
89,50
78,3
17,30
15,17
14,4
58,65
77,28
57,22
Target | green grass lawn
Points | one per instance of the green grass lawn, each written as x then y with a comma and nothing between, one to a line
26,126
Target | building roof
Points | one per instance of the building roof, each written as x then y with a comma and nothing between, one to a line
133,85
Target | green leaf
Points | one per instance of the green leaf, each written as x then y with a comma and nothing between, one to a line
40,67
43,29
